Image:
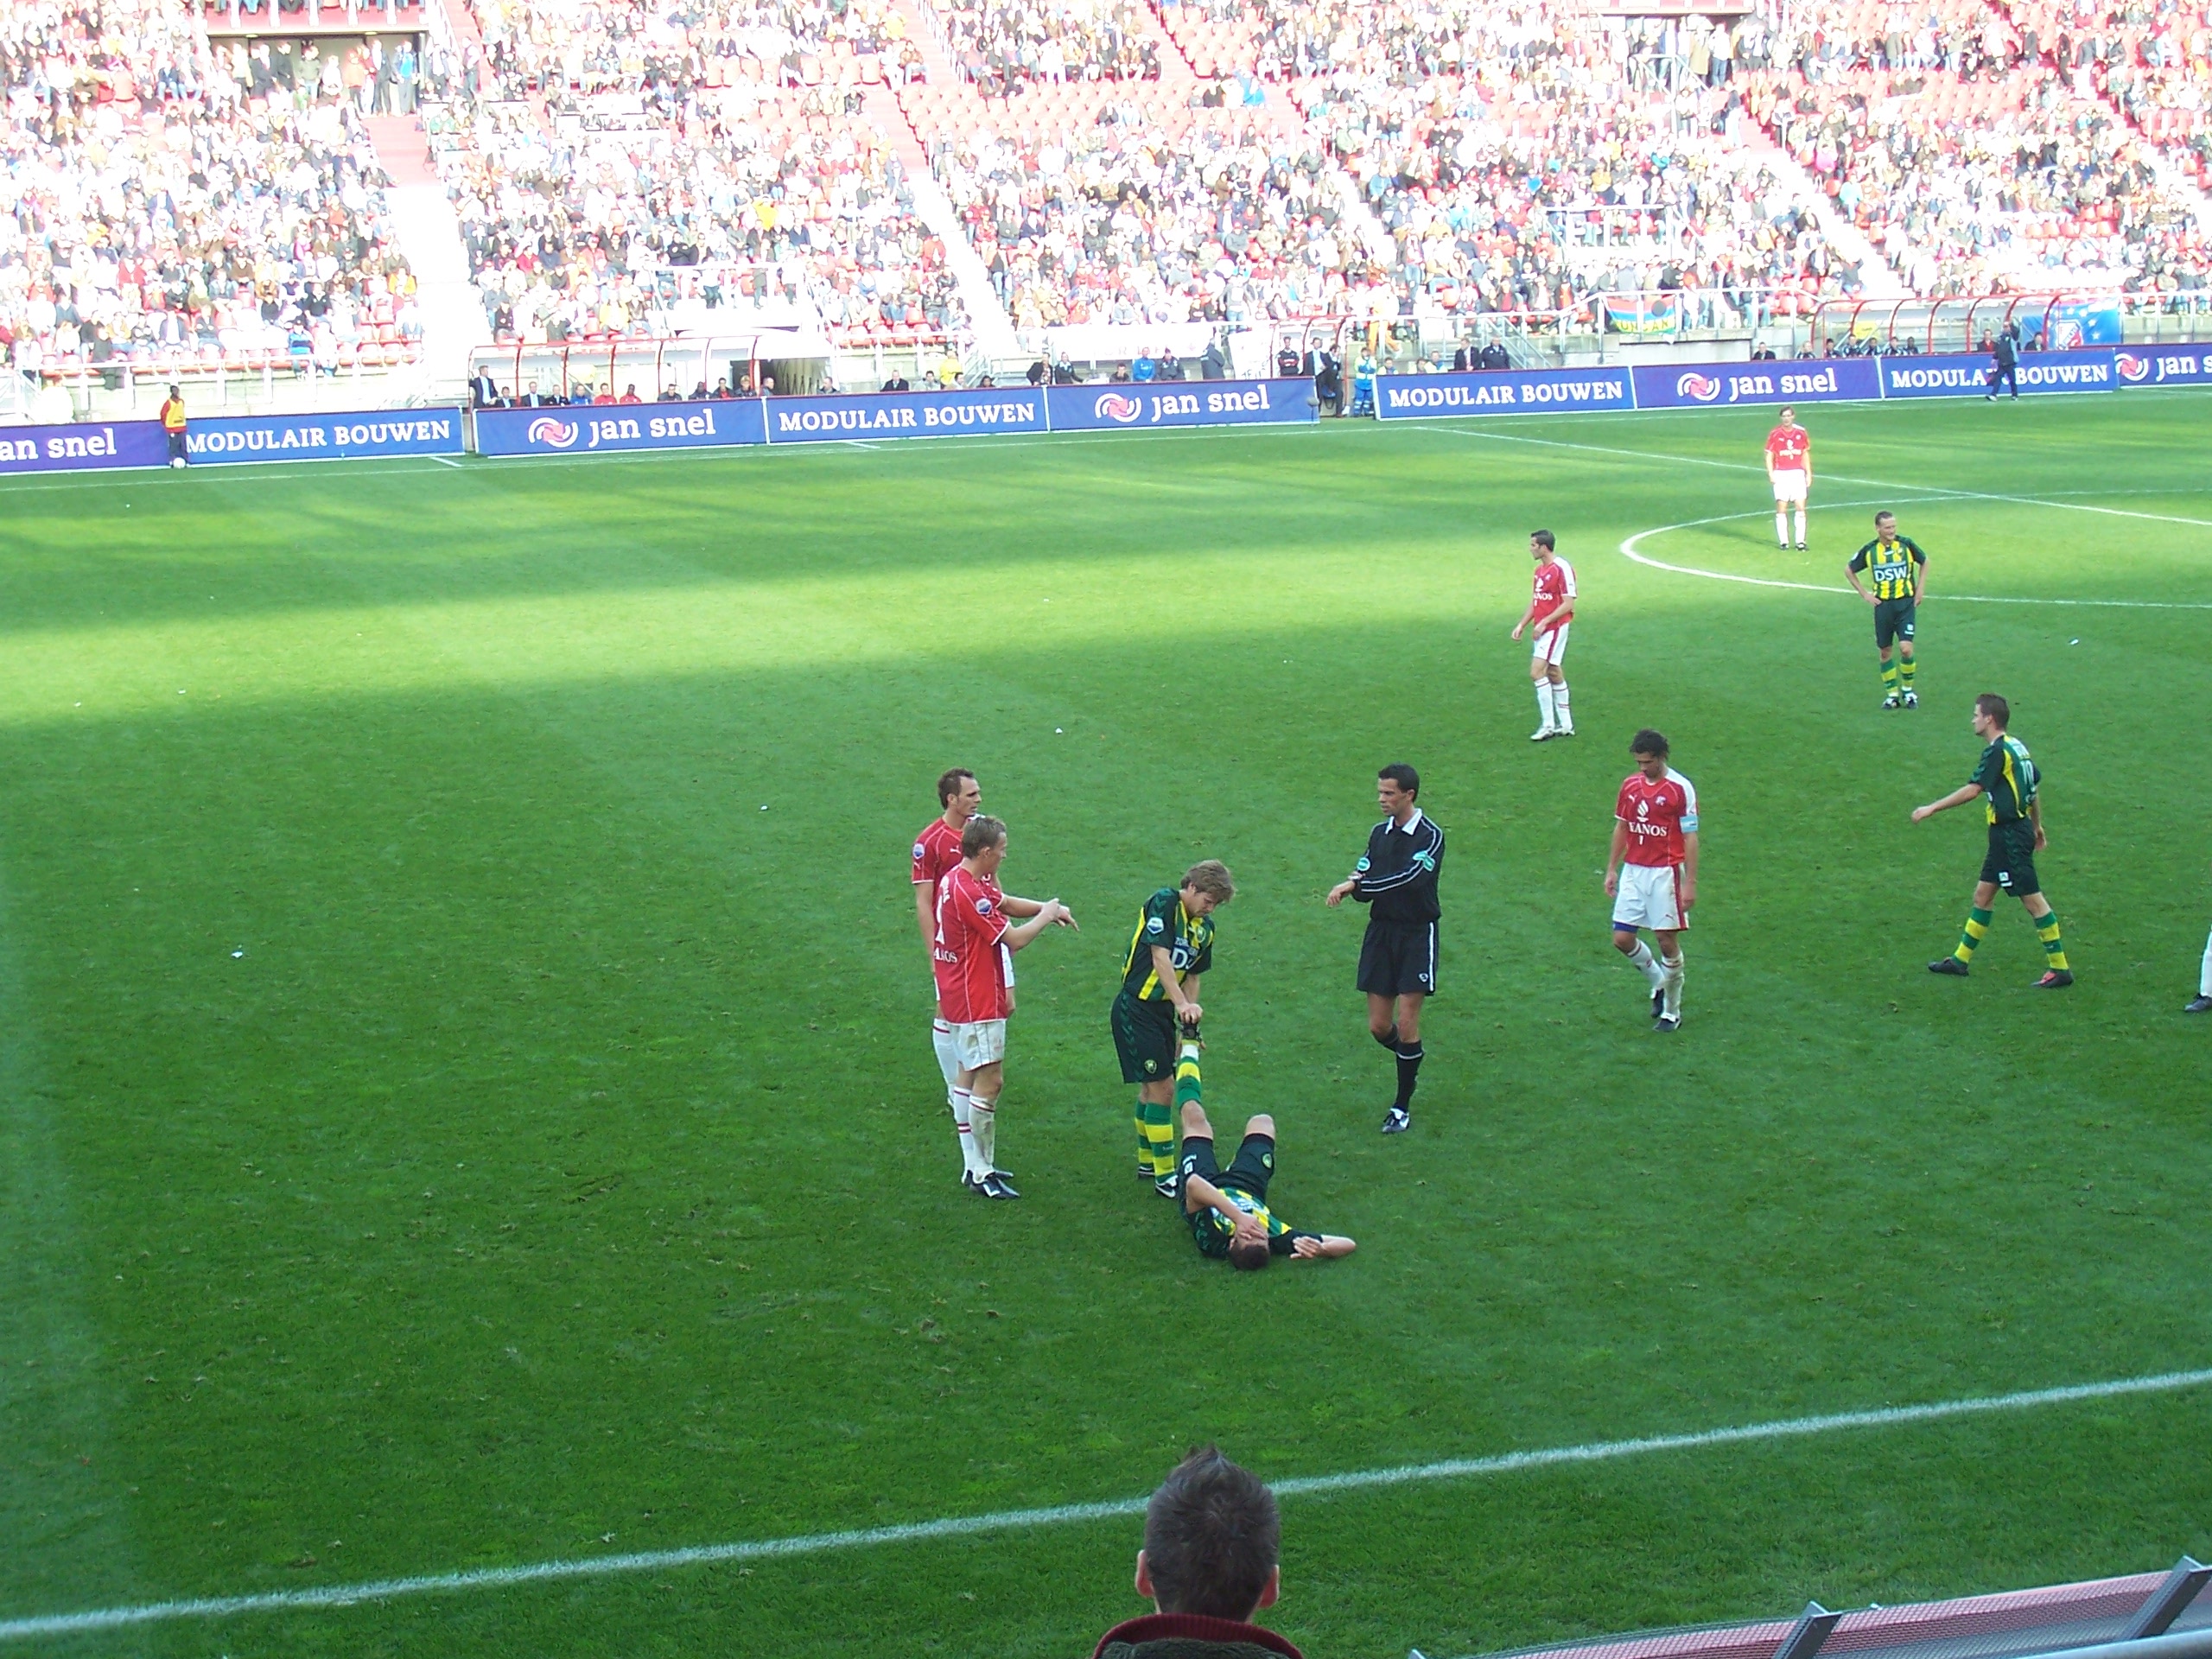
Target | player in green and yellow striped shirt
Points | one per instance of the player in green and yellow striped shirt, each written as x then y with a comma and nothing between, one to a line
1158,1005
1898,570
2009,781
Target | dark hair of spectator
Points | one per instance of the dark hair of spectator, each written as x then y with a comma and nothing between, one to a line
1544,539
1404,777
1211,1537
983,832
949,785
1648,742
1996,708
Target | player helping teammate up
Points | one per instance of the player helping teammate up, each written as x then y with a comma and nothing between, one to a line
1155,1014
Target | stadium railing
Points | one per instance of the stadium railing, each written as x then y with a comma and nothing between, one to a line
2140,1616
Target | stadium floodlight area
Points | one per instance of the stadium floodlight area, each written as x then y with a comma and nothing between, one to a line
2141,1616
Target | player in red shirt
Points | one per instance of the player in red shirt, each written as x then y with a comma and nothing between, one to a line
936,849
973,949
1651,874
1790,469
1550,609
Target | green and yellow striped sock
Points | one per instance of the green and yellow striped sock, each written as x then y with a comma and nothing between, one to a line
2054,950
1904,675
1156,1135
1889,678
1978,922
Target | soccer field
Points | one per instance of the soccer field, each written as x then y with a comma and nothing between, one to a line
466,1099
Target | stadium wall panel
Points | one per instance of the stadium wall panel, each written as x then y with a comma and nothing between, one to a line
1504,391
1180,402
593,429
1966,375
1803,380
2143,367
839,419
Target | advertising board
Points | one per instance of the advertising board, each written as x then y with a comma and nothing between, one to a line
840,418
601,428
1181,402
2142,367
1503,391
1700,385
222,440
91,447
1966,374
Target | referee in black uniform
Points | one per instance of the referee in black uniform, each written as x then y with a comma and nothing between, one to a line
1397,959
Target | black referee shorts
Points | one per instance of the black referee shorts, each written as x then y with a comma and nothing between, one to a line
1398,959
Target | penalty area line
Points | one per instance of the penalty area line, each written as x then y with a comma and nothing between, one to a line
596,1567
1630,550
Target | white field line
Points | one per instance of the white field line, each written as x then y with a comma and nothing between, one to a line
595,1566
1630,550
2055,499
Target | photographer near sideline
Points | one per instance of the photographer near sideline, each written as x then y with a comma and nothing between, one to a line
1211,1537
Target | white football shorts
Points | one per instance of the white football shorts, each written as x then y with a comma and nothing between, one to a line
978,1043
1551,645
1648,895
1789,485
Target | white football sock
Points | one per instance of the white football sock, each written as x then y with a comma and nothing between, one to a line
1801,524
960,1104
947,1057
1670,999
1544,703
2204,980
1644,963
983,1139
1781,525
1559,703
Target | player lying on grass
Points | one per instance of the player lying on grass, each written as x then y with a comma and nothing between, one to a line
974,954
1171,950
2012,782
1227,1210
936,849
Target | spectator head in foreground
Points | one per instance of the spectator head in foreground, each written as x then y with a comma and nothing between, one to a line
1211,1537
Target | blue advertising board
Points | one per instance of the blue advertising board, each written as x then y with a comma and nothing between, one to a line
600,429
89,447
1180,402
2136,367
225,440
1704,385
838,419
1966,374
1503,391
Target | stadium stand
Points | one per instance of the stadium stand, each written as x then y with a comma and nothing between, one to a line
180,203
914,173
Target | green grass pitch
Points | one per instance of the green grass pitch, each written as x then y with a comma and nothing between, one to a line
562,1167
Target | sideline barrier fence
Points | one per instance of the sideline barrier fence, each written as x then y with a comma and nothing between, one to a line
602,429
985,412
229,440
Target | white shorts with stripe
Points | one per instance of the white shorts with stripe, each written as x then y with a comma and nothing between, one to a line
1789,484
1651,895
1551,645
978,1043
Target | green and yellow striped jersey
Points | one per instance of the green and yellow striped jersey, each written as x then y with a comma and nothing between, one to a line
1187,939
1891,567
2009,779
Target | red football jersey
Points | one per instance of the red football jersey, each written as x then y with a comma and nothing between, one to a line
1787,448
1658,815
1554,586
936,849
970,964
